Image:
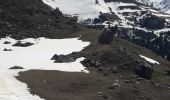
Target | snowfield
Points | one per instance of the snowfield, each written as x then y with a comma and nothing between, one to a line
37,57
85,9
149,60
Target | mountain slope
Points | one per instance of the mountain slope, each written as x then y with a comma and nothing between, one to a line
163,5
37,19
119,70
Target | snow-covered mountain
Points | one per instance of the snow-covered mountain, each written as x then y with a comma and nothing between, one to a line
163,5
140,21
116,11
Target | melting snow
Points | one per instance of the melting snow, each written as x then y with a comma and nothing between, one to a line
149,60
36,56
85,8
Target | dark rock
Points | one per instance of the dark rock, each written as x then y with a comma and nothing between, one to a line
115,70
16,67
7,49
100,69
153,22
63,58
7,42
108,17
168,72
139,79
144,70
56,12
20,44
129,81
106,37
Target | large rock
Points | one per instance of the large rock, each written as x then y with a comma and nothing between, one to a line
63,58
106,37
20,44
144,70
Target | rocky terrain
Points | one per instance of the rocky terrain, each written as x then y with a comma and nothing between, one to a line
127,58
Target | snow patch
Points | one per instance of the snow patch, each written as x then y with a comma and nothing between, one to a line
37,57
149,60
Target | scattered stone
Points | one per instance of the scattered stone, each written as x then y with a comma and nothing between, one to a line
116,80
139,79
16,67
45,81
99,93
129,81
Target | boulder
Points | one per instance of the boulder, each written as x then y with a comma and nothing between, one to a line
144,70
63,58
7,42
20,44
106,37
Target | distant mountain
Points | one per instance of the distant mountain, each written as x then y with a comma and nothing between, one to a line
163,5
139,21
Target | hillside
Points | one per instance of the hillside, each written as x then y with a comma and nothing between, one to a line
83,50
139,22
22,21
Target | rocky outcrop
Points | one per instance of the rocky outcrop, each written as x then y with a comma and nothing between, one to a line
63,58
20,44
